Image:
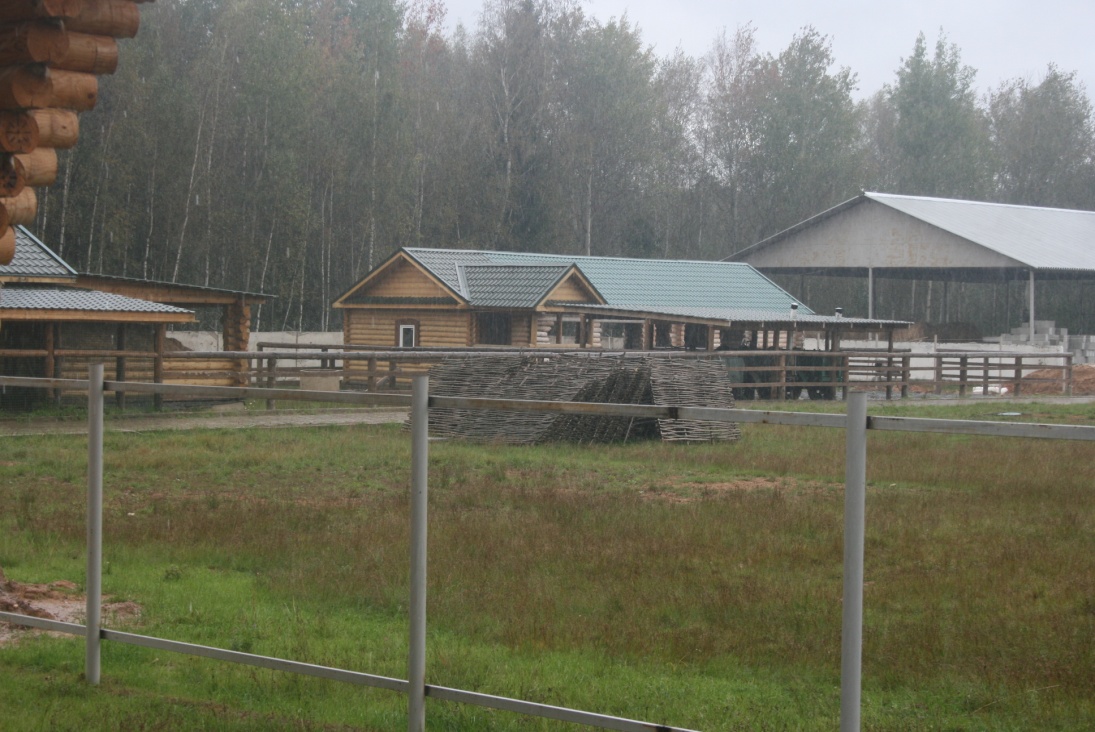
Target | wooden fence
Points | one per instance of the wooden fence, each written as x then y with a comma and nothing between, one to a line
754,374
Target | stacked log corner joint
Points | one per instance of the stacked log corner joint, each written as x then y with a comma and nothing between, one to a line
51,54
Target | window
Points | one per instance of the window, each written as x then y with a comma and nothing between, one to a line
407,335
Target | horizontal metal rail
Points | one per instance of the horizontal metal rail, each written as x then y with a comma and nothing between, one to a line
985,429
251,659
358,678
547,711
55,626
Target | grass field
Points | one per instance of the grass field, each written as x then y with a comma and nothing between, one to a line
698,586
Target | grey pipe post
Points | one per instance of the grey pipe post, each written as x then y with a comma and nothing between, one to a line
416,666
855,509
94,578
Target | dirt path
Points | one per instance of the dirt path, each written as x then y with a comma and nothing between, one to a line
227,420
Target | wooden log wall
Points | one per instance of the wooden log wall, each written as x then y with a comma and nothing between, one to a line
51,53
436,329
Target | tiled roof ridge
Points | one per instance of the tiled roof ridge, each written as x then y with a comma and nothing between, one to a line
575,258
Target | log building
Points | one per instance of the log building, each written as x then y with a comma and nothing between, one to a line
54,321
51,54
447,298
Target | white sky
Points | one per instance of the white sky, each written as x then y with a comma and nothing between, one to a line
1002,40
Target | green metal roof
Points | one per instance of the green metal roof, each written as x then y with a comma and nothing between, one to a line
507,285
648,285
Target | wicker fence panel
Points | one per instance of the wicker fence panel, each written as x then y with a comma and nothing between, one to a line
609,379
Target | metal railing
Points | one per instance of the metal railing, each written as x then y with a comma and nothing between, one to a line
856,423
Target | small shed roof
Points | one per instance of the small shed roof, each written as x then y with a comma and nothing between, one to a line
917,234
66,304
33,260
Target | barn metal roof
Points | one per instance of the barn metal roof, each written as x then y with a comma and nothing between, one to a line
33,259
19,298
1041,238
1036,238
638,284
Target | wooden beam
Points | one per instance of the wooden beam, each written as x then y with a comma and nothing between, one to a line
7,245
39,168
24,87
19,209
32,43
89,54
116,18
22,10
58,128
18,132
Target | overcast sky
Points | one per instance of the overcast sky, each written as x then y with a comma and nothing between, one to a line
1002,40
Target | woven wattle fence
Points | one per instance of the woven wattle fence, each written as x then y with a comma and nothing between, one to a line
608,379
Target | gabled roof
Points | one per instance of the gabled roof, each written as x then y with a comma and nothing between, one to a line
668,286
511,286
1034,237
16,299
34,260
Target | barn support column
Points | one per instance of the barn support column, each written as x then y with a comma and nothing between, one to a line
870,293
1030,293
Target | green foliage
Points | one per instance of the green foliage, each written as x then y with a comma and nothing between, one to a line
288,147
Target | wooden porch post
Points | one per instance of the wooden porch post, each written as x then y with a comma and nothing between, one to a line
157,367
57,362
120,366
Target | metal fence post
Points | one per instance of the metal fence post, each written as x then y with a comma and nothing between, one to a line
416,665
94,578
855,508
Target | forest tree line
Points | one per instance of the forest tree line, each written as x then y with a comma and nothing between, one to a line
287,146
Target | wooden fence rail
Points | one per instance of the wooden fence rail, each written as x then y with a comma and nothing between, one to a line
754,374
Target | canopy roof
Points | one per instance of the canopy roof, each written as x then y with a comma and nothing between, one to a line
19,303
34,261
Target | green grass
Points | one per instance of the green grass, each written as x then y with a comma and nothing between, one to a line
698,586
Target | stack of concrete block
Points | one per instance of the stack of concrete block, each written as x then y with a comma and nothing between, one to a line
1046,333
1083,348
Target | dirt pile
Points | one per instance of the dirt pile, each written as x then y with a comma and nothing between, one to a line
1047,381
59,600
